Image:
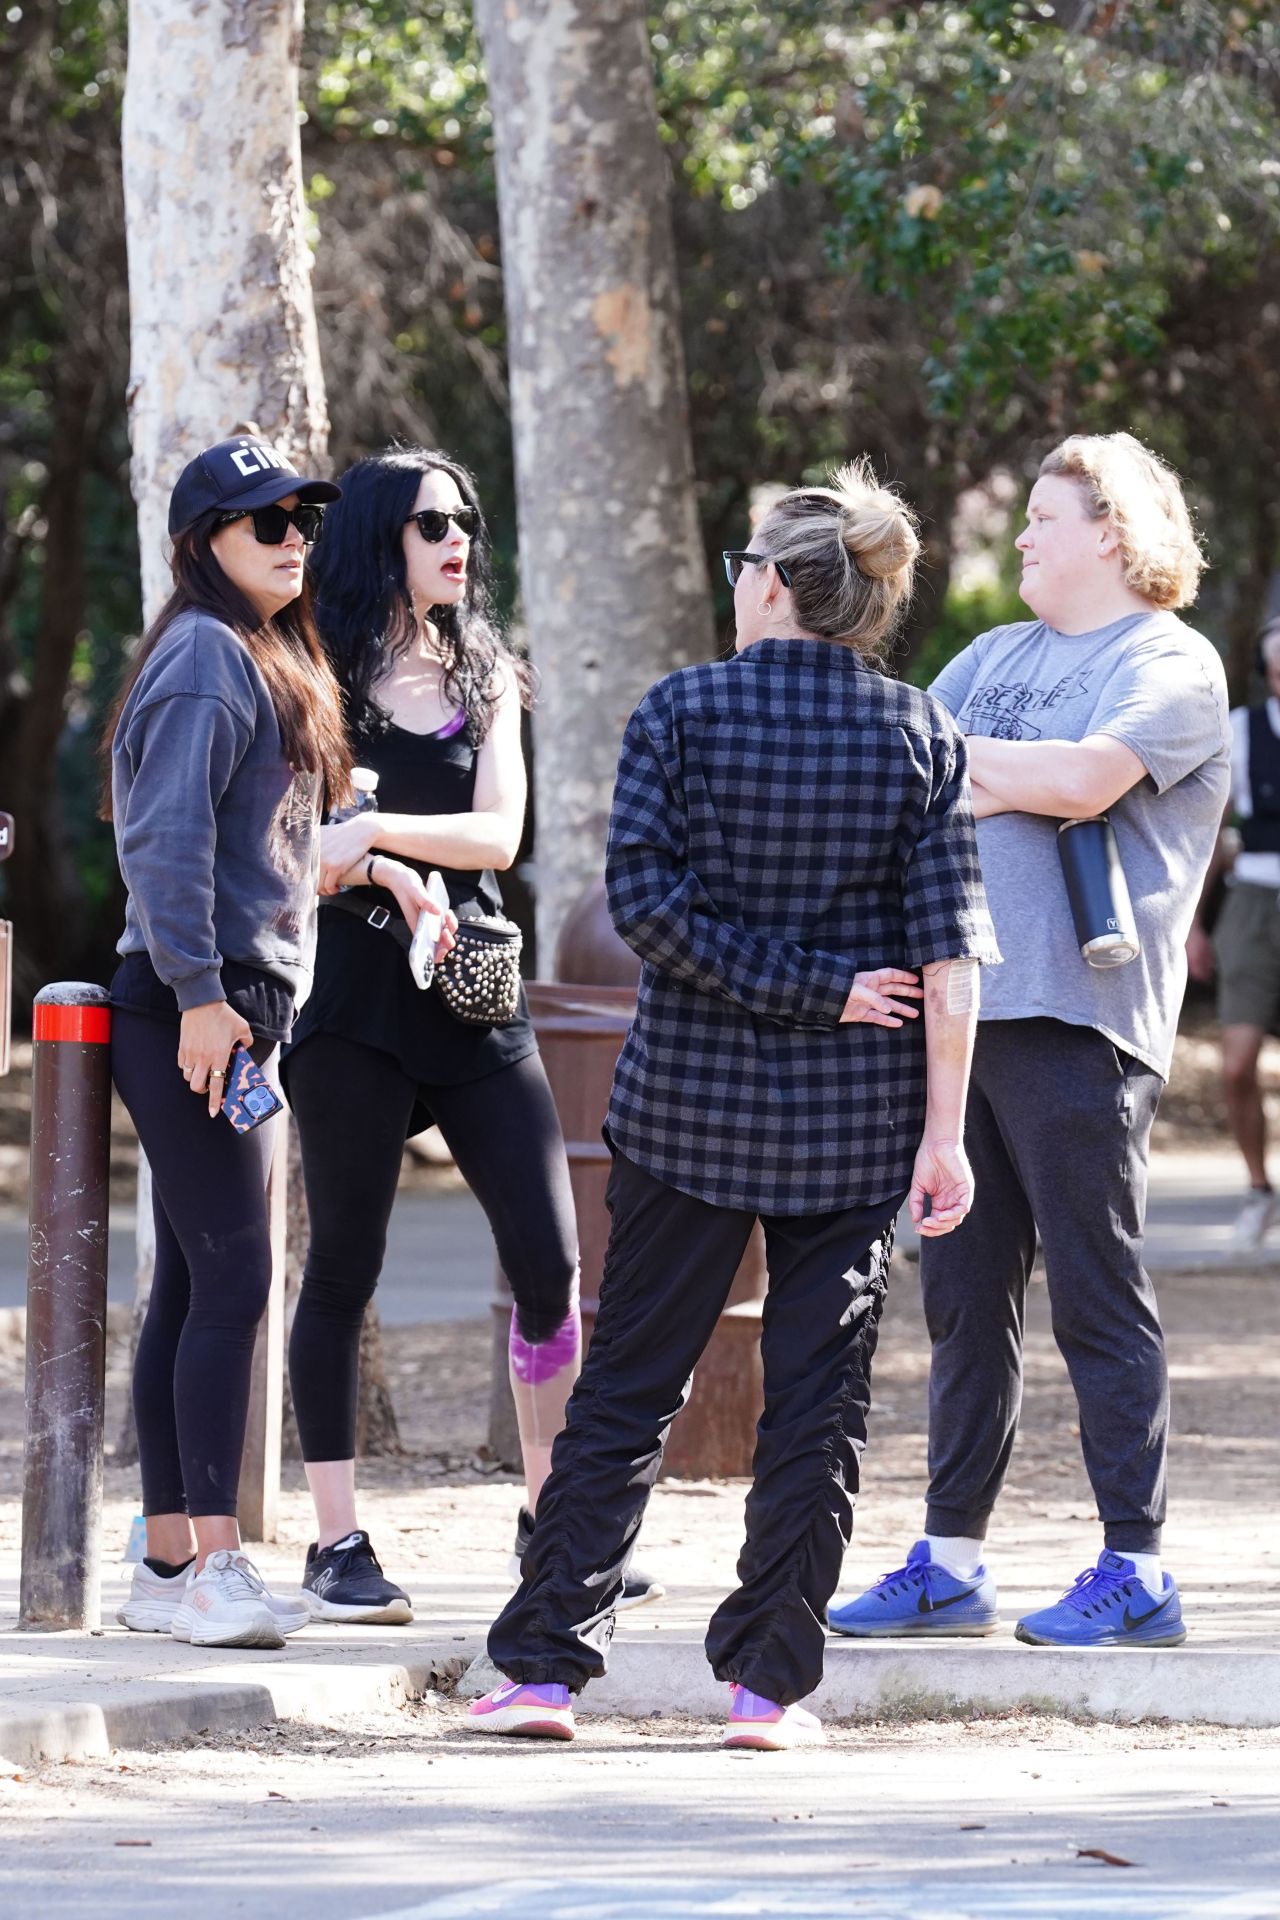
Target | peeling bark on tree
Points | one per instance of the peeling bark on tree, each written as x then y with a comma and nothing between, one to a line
222,322
611,562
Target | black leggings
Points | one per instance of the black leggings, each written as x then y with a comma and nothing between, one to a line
212,1274
352,1104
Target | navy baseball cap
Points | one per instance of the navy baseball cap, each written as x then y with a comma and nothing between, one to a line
236,475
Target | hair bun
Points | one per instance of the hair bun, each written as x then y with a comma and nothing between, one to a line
877,526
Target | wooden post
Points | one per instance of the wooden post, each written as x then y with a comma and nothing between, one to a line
260,1465
66,1308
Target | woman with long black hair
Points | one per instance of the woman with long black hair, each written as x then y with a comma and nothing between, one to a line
433,699
226,735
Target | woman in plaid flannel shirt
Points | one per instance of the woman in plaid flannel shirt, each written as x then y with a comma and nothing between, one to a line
791,846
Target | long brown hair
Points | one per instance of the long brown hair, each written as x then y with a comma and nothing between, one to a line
285,649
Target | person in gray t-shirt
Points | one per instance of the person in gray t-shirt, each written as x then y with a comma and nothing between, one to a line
1104,703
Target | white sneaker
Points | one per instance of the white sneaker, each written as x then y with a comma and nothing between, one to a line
1252,1221
764,1725
152,1600
227,1605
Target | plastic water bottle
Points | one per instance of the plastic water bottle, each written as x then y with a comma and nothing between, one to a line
365,782
1098,892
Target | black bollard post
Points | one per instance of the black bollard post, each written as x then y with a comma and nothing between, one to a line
66,1307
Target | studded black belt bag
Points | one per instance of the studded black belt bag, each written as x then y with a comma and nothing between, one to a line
479,977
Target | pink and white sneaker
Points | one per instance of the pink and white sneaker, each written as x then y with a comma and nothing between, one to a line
539,1712
757,1722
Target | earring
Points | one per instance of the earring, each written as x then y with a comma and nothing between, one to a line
764,609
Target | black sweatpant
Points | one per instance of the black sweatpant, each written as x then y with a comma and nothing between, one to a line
352,1104
1058,1129
668,1269
212,1273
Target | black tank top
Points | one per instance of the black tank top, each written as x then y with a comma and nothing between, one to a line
363,988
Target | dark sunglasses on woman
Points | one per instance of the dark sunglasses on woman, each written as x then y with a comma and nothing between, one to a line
735,560
271,524
433,522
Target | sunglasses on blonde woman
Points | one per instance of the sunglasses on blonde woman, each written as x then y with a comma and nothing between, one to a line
735,560
433,522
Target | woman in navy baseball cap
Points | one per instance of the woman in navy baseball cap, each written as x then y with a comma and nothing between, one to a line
237,475
227,736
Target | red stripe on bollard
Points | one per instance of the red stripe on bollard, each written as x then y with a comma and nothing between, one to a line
91,1024
66,1308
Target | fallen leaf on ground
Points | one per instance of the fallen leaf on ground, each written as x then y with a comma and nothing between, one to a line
974,1826
273,1795
133,1843
1100,1853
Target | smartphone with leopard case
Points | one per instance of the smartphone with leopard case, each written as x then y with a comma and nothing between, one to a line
250,1098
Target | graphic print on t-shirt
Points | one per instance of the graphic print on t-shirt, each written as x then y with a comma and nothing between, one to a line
1000,708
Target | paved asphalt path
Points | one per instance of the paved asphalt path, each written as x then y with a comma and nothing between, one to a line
440,1257
410,1817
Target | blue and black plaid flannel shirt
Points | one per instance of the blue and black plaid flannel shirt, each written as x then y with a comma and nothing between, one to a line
781,821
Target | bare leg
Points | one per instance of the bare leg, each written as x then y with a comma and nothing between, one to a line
170,1538
213,1531
333,1488
1241,1046
542,1377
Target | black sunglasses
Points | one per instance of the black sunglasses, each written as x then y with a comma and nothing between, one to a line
735,561
433,522
271,524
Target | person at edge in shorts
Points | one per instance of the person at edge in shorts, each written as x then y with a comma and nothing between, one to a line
791,844
1103,703
1244,949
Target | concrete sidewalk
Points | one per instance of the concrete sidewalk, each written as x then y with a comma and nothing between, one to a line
78,1695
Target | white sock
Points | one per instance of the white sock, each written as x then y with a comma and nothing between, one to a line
956,1553
1149,1571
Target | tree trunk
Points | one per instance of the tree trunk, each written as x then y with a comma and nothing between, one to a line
611,562
222,322
223,325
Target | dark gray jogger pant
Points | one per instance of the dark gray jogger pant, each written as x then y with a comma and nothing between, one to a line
669,1266
1057,1130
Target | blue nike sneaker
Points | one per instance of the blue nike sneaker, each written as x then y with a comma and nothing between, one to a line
1108,1606
921,1600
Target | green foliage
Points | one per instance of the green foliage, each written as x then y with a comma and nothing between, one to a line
1030,194
410,79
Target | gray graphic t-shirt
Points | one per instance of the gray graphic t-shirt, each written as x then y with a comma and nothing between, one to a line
1152,683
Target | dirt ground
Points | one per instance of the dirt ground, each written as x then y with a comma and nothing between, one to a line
1225,1453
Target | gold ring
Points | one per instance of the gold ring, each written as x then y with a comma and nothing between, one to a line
217,1073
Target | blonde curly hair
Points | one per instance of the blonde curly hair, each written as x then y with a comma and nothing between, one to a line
1124,482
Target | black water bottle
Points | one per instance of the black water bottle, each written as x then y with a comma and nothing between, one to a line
1098,892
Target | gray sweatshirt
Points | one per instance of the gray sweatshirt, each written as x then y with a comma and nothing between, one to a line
217,837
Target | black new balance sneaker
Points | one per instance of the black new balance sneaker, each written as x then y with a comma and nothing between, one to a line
636,1588
345,1582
